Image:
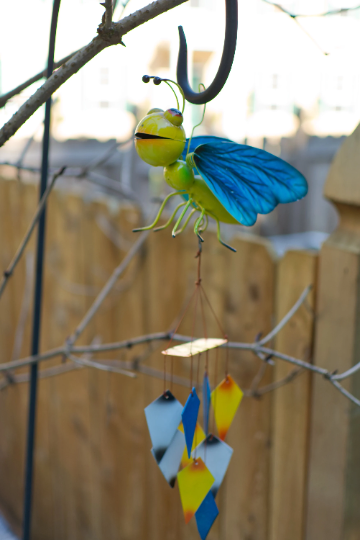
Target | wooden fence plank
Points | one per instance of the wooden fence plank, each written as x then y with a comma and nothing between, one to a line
334,473
249,306
291,403
17,203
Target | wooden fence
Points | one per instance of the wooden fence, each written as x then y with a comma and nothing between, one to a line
294,473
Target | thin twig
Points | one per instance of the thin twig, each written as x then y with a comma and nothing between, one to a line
287,317
107,287
111,185
60,351
347,373
5,97
258,378
324,14
43,374
296,16
101,366
264,353
25,306
92,176
108,12
69,367
343,391
105,156
277,384
108,36
24,152
111,233
8,273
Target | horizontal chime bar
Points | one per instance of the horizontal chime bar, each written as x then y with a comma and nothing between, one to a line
194,347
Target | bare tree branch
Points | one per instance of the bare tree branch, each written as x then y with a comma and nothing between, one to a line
264,353
25,306
324,14
108,12
287,317
5,97
278,384
98,365
296,16
107,287
60,351
107,37
8,273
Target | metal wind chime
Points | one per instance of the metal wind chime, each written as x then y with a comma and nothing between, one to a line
195,455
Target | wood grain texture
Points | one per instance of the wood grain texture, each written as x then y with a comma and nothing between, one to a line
334,472
291,403
249,281
95,476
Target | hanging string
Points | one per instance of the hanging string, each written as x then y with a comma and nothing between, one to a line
191,372
215,383
203,313
213,312
198,371
172,372
164,373
181,318
227,361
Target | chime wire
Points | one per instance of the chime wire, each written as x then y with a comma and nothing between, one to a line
215,382
199,292
164,373
171,373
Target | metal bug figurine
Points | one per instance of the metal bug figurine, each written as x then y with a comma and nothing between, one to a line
218,178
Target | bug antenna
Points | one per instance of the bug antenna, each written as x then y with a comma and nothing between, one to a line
158,80
180,90
201,85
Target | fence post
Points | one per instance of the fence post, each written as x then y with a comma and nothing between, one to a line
334,467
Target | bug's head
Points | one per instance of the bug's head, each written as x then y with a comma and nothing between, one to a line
159,141
159,136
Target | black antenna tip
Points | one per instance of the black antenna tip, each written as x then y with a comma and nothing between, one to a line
157,80
145,78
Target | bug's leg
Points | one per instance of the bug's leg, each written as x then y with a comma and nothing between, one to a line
170,220
197,224
181,217
186,221
159,213
219,238
206,224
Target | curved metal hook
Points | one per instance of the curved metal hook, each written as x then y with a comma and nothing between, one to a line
226,60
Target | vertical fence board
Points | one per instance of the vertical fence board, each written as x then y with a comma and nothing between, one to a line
249,301
291,403
334,474
17,202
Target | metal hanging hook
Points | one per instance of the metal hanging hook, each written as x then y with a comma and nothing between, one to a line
200,98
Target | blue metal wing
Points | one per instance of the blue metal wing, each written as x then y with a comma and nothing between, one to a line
202,139
247,181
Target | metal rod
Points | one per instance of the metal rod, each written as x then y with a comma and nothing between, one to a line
231,26
29,464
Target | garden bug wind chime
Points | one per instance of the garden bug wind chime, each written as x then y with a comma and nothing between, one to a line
230,183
